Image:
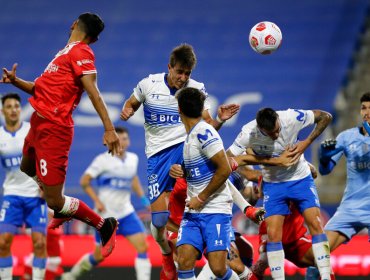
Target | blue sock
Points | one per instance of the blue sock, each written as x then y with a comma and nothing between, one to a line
39,262
186,274
312,273
6,262
142,255
92,260
227,274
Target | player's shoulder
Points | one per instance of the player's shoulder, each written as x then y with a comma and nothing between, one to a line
132,156
153,78
250,127
204,132
195,84
349,133
81,48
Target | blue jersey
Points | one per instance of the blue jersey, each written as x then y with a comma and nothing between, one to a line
356,148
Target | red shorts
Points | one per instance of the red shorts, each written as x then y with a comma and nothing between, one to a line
48,144
295,251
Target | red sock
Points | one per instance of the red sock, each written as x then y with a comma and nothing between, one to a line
85,214
53,242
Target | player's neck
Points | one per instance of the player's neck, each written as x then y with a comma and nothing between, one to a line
190,123
12,126
78,37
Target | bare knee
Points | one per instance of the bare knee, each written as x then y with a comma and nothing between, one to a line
5,244
218,270
39,246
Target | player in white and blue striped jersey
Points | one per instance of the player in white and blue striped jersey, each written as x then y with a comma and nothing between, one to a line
272,133
353,213
116,177
21,202
165,135
206,221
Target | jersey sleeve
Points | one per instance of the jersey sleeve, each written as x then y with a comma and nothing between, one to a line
299,119
207,103
140,90
96,167
209,141
241,143
83,61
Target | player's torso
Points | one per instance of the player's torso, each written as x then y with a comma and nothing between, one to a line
11,146
58,90
357,152
116,182
200,169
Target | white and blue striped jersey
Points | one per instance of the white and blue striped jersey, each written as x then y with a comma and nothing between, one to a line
356,148
114,177
11,145
163,126
292,122
201,144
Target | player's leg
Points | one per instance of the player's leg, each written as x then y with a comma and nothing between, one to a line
6,260
186,257
53,248
134,231
39,258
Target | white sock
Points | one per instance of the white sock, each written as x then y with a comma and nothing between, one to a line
82,266
321,251
6,273
206,273
52,264
275,256
245,274
161,239
143,269
38,273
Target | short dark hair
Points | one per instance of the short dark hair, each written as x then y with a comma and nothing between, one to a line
91,24
10,96
184,56
266,118
121,129
365,97
191,101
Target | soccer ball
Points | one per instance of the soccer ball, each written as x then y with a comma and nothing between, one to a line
265,37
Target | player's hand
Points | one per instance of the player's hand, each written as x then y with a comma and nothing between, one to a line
111,140
328,149
227,111
100,207
257,189
9,76
255,214
176,171
126,113
233,163
313,170
290,156
195,203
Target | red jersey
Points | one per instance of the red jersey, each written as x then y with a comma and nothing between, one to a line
58,90
293,228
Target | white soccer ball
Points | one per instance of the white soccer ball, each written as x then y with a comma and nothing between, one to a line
265,37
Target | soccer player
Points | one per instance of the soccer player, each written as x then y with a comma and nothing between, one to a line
206,221
269,135
55,94
165,135
353,213
21,203
115,177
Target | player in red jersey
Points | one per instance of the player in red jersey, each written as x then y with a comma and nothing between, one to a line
55,94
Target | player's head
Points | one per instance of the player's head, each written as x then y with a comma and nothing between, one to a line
268,122
181,64
11,108
123,137
191,102
365,107
90,24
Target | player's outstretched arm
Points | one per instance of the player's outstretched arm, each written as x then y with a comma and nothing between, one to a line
85,183
10,77
327,150
138,189
110,138
224,113
129,108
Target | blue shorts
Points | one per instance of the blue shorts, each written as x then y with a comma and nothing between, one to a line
278,195
17,211
348,223
211,231
159,166
129,225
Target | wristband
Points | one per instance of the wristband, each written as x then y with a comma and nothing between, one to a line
200,200
145,201
219,120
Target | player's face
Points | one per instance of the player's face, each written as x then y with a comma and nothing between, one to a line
124,140
11,111
273,134
365,111
178,76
